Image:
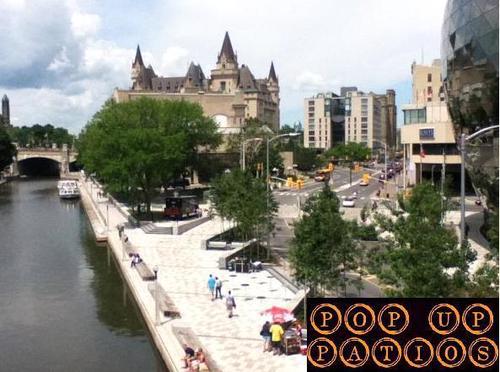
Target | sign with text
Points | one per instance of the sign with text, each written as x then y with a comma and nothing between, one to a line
402,334
426,133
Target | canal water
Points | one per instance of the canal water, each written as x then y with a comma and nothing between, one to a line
62,307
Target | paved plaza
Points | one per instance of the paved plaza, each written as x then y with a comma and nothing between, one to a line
184,267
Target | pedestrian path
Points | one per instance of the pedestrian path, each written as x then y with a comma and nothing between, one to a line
183,270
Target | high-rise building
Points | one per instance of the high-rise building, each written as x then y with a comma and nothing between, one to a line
230,95
5,118
427,134
324,121
371,118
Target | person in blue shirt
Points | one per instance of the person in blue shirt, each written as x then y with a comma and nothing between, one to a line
211,285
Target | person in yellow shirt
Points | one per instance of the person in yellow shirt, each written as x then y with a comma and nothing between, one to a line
276,334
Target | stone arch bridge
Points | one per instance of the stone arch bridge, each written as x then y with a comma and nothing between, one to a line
61,156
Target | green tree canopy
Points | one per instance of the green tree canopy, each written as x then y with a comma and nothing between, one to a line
424,259
241,197
7,149
323,248
137,146
351,151
41,136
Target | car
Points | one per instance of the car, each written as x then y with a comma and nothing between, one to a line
348,202
364,183
381,178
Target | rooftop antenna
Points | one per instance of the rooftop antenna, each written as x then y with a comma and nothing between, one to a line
422,50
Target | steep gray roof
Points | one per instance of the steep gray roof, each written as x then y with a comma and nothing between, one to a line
246,79
138,56
195,73
227,49
168,84
272,73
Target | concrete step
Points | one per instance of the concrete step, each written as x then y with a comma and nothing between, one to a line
287,282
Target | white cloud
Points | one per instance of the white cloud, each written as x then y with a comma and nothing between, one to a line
85,24
60,62
70,54
174,60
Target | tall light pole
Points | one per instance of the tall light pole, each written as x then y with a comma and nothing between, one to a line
157,312
463,140
243,150
268,185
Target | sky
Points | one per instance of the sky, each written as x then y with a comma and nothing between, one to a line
60,60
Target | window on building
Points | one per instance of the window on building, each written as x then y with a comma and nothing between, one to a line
364,119
311,139
364,101
223,85
415,116
311,114
311,108
429,91
311,103
311,133
311,121
429,78
320,120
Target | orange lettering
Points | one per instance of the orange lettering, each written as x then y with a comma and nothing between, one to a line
393,315
440,313
324,314
455,352
482,352
418,359
477,318
356,323
322,349
387,348
354,352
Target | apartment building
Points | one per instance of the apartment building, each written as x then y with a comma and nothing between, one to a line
324,116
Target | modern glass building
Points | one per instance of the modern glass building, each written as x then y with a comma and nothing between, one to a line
469,51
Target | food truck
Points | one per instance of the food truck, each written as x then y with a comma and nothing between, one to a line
178,207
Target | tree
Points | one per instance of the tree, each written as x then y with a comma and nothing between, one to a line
7,149
240,197
323,249
424,259
351,151
137,146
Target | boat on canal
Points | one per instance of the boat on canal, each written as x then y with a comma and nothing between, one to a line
68,189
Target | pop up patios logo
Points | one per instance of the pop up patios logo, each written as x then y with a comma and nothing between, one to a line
402,334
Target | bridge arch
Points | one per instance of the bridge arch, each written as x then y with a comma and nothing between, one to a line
39,166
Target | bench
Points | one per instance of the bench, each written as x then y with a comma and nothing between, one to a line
217,245
144,271
166,305
185,335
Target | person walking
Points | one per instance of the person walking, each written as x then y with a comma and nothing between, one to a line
211,285
266,335
230,304
218,288
276,335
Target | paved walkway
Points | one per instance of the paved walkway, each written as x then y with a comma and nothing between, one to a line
234,344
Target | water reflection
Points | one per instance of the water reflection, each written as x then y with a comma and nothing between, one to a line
61,305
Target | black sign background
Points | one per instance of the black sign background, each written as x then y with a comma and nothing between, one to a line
418,309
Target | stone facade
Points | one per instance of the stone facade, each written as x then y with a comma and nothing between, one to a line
230,95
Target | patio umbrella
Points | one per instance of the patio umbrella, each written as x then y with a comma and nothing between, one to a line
278,314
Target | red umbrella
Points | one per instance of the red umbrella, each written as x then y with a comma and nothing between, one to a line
278,314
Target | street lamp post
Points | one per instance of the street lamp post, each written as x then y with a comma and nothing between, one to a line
157,312
243,150
432,174
268,185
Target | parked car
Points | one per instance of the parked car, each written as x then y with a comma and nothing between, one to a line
348,202
364,183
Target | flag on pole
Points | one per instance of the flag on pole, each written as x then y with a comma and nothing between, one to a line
422,152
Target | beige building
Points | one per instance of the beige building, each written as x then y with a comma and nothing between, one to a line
230,95
371,119
427,135
324,116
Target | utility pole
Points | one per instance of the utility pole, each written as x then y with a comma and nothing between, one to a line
462,188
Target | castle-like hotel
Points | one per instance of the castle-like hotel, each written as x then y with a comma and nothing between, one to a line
230,95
